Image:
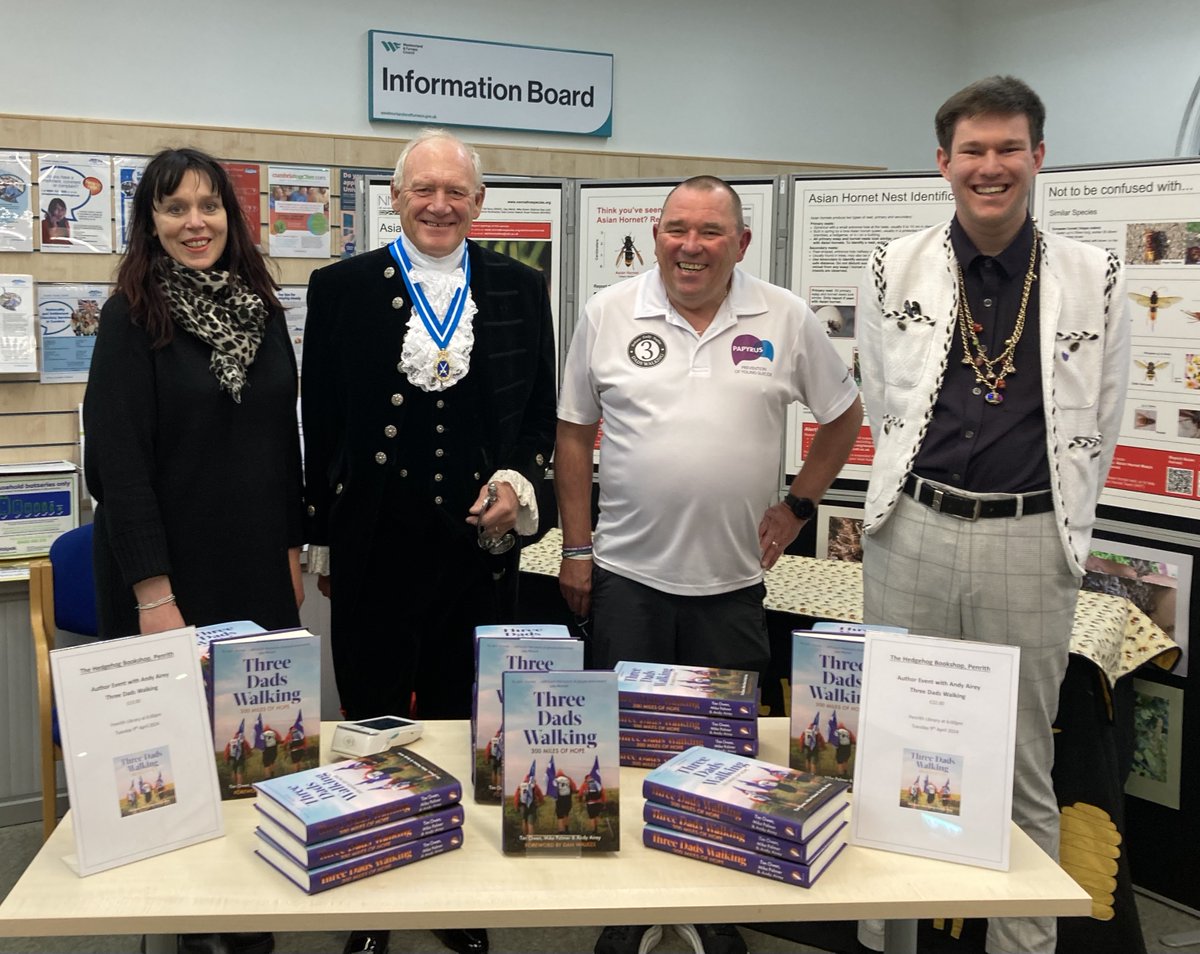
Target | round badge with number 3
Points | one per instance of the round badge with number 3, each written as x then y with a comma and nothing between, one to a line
647,350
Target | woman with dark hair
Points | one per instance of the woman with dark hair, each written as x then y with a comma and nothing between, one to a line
192,450
56,230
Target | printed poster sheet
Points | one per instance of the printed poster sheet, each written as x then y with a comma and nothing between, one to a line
1150,216
18,325
299,204
937,736
137,747
294,299
16,213
246,182
836,224
70,317
76,211
127,171
616,231
348,204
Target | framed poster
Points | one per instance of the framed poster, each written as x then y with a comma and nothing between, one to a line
1157,743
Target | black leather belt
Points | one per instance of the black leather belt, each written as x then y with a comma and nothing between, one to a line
972,508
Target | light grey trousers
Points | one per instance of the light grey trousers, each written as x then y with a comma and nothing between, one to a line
1000,580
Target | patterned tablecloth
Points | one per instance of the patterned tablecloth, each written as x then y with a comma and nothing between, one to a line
1109,630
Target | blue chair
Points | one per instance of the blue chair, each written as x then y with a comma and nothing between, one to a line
62,595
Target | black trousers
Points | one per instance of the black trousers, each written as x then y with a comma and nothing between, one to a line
403,634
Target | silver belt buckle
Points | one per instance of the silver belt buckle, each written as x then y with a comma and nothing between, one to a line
935,504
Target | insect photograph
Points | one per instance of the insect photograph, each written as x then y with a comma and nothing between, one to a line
1153,302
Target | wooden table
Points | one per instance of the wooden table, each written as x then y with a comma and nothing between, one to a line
221,886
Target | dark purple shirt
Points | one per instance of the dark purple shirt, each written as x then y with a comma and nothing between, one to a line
971,444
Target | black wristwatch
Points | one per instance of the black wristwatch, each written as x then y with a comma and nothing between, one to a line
802,507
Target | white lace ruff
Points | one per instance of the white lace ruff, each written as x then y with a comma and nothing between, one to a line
418,358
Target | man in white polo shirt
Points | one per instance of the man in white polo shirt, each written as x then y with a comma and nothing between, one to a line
692,366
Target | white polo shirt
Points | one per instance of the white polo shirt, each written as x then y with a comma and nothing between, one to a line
693,424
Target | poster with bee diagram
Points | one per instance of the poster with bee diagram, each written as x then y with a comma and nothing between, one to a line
617,222
1149,215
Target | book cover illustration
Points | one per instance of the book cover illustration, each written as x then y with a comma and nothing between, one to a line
728,856
743,791
826,690
687,722
144,780
678,741
344,872
498,649
348,796
561,763
262,687
364,842
712,829
931,782
660,687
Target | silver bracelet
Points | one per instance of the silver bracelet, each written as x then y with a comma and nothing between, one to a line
155,604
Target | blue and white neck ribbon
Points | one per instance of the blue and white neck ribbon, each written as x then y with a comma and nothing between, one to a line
441,330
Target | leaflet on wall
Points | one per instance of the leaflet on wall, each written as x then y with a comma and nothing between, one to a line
18,324
616,230
69,316
246,179
936,741
836,224
1150,216
16,213
348,205
294,299
299,221
127,171
136,748
76,211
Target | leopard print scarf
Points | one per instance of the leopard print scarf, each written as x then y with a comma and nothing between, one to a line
225,314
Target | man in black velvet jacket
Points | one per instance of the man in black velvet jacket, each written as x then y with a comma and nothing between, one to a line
429,413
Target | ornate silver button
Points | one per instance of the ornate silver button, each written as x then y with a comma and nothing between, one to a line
389,272
380,457
437,478
441,404
312,511
403,471
541,461
441,428
397,399
397,302
337,489
437,500
439,453
390,430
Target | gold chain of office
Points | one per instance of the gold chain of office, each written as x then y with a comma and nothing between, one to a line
991,372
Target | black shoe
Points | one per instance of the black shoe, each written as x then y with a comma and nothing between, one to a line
367,942
464,940
257,942
720,939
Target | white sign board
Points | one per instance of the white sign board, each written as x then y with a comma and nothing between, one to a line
441,81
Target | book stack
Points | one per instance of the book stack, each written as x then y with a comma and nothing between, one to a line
666,709
499,649
746,814
349,820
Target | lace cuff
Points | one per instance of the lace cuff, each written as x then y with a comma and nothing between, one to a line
318,560
527,513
